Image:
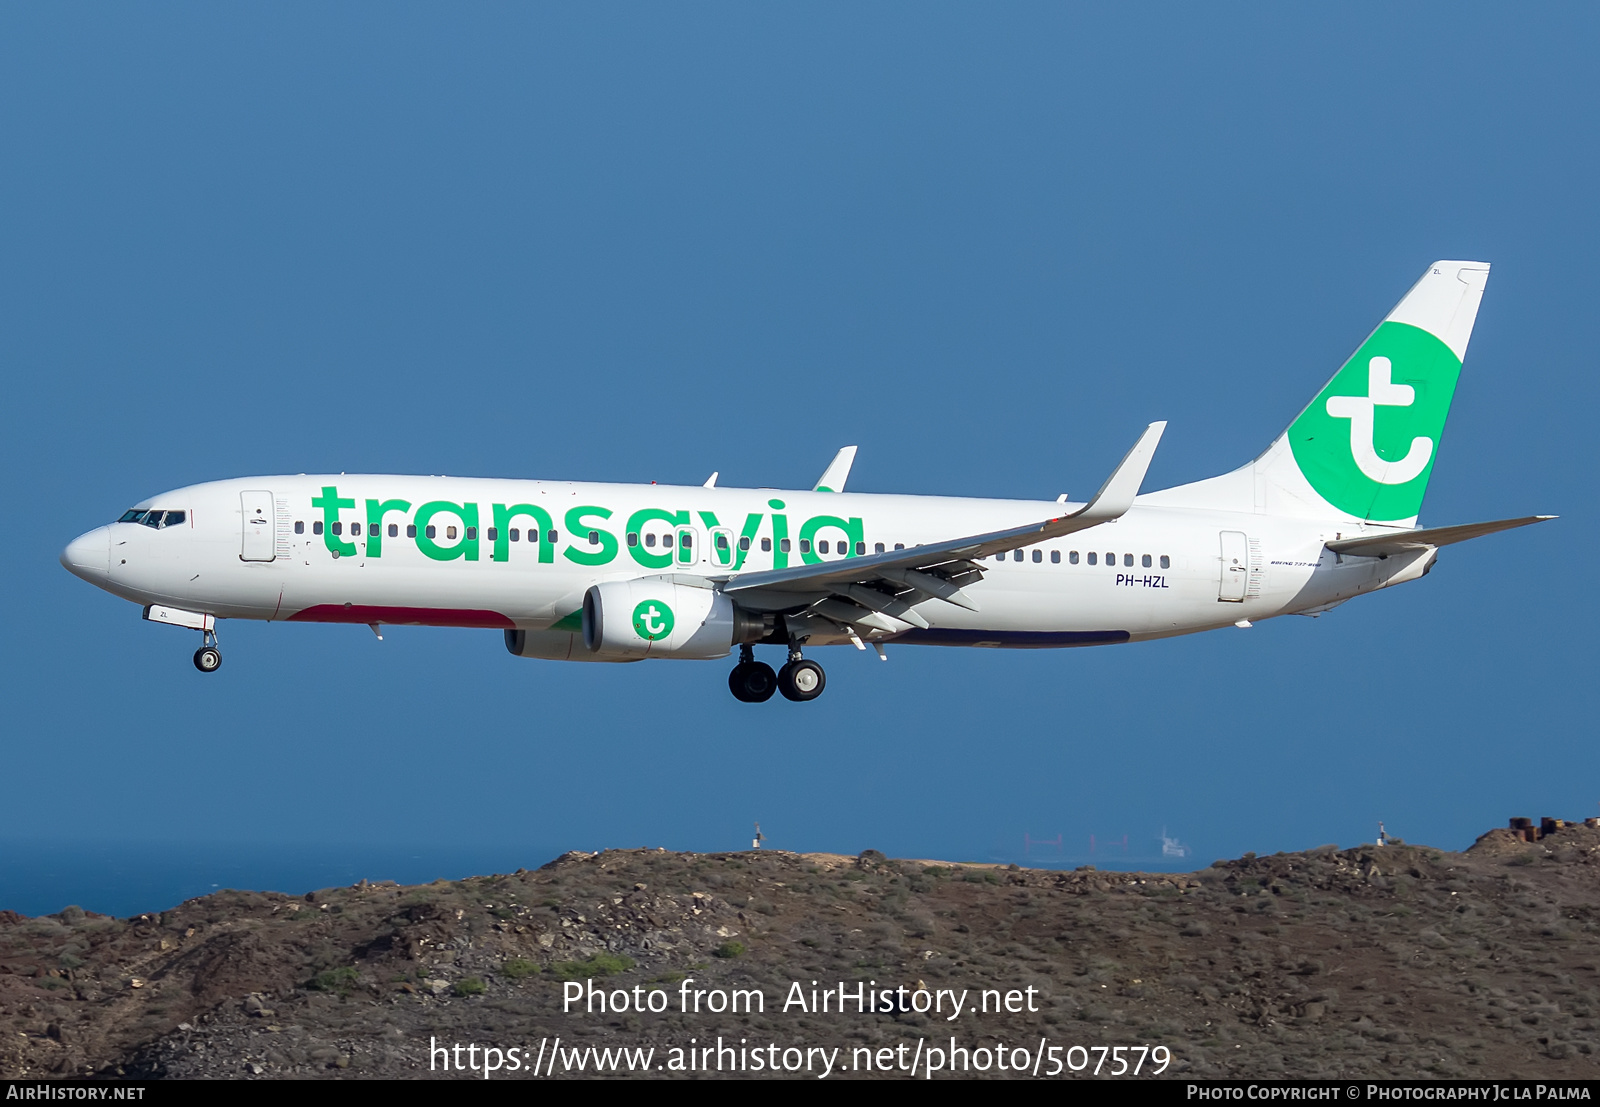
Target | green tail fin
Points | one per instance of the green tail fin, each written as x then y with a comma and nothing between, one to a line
1365,447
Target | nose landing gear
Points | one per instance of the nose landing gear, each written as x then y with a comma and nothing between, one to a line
208,658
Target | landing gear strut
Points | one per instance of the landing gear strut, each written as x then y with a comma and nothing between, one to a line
208,659
751,681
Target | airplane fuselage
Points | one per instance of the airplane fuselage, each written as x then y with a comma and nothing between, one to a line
614,572
520,555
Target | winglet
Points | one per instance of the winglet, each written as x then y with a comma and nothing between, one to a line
711,481
838,471
1116,494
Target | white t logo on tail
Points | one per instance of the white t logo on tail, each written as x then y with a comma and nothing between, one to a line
1359,410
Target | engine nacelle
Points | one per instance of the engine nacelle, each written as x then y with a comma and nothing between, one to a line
553,645
655,617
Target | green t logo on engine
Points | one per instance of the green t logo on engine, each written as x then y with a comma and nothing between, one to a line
652,620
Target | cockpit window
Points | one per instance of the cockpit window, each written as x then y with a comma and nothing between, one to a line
154,519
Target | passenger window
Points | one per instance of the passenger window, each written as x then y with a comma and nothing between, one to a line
684,540
783,545
1127,560
877,547
338,528
372,530
550,536
1111,559
431,531
766,545
1016,555
744,542
822,547
1038,556
394,530
316,528
1072,557
650,540
805,545
1091,557
633,538
492,534
411,530
861,548
722,541
449,533
1055,557
594,538
899,545
1166,562
472,534
516,535
299,526
1145,561
666,540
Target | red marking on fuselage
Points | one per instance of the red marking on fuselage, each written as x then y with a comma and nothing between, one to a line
401,616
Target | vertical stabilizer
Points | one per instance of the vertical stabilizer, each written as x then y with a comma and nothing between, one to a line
1364,448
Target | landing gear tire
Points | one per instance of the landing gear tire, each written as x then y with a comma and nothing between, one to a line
752,682
208,659
801,681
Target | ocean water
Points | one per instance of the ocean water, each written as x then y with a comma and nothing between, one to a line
123,879
42,877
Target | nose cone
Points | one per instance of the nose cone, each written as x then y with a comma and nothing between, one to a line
89,555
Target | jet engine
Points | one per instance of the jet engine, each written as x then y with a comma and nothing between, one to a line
655,617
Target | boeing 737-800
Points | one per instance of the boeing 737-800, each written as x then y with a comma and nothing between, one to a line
616,572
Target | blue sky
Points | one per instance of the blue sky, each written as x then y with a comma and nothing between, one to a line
645,242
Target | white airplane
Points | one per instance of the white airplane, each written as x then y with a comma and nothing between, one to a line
622,572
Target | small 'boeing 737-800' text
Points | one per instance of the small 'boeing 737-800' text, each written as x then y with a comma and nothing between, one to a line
621,572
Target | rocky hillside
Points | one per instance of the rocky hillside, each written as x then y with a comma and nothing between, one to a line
1381,962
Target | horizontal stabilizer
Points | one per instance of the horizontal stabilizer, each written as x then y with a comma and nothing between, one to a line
1382,545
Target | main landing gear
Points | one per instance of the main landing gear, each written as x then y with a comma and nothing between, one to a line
754,682
801,680
208,659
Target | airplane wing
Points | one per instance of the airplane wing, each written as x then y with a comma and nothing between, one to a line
859,590
1382,545
837,472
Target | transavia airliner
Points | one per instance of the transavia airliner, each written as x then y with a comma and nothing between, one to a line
625,572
